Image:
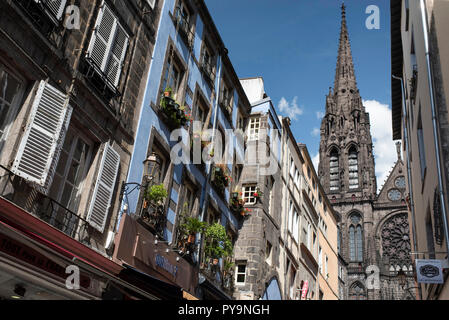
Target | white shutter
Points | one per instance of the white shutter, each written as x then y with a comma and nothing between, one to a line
102,37
57,153
37,147
55,6
104,188
117,56
151,3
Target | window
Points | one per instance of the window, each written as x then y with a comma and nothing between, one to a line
290,217
108,46
268,251
334,171
208,62
172,75
314,241
320,260
353,169
296,226
292,168
321,295
189,199
355,239
212,216
248,194
161,176
240,121
292,282
74,160
10,96
422,150
297,178
240,275
326,261
201,111
237,173
226,96
357,292
253,129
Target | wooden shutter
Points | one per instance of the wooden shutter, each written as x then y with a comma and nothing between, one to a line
117,56
37,147
102,37
104,188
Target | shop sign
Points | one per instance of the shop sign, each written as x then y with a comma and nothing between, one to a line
429,271
163,263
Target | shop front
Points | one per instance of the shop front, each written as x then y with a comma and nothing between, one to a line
145,256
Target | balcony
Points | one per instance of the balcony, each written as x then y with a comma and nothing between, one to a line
184,28
172,113
220,178
30,199
45,16
217,275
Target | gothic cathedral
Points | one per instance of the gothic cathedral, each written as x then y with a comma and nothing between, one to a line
374,228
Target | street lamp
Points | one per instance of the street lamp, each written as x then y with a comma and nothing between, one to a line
151,166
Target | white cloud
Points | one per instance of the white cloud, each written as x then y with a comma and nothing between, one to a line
290,109
316,161
320,115
315,132
381,131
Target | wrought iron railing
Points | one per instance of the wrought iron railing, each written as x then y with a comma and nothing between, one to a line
30,199
414,83
42,17
153,216
222,279
99,80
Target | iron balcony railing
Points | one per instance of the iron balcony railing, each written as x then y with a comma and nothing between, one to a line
208,70
222,279
42,16
17,190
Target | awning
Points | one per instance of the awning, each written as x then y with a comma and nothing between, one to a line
159,288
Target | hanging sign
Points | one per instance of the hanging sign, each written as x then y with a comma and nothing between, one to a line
429,271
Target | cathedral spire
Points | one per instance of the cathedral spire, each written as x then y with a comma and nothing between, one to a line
344,75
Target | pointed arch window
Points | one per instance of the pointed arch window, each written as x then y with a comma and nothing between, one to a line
355,239
357,292
334,171
353,168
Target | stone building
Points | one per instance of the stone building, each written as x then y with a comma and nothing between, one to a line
374,230
72,75
257,249
420,71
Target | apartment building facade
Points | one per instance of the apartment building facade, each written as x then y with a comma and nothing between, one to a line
72,77
420,73
191,88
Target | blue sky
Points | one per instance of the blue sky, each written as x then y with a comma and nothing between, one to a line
293,45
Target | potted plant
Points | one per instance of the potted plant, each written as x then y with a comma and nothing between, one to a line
192,226
217,243
258,194
156,194
168,92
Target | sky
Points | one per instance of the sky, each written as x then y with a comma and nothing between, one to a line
293,45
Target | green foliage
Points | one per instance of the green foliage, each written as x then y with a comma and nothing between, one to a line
193,225
156,194
218,245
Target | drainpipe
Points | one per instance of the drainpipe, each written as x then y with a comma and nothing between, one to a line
409,173
434,124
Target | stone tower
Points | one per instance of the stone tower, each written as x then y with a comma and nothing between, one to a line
370,223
